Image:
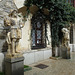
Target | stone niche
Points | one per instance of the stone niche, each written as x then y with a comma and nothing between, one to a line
5,9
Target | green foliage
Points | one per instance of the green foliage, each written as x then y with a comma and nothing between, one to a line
1,73
25,66
60,15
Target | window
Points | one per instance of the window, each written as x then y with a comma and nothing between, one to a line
67,1
37,36
38,31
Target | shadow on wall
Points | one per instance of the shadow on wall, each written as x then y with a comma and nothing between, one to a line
3,43
5,47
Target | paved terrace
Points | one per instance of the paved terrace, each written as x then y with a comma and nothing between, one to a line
55,67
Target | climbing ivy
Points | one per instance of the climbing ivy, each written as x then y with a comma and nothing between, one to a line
61,14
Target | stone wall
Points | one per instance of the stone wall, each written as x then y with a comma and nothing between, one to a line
5,9
19,3
25,41
48,39
6,6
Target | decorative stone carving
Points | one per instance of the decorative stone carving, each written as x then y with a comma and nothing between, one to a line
15,22
65,44
66,37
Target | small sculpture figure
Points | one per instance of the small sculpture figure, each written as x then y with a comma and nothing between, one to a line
15,21
66,37
66,41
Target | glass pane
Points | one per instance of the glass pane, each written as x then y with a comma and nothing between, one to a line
67,1
38,25
38,34
34,25
33,38
38,41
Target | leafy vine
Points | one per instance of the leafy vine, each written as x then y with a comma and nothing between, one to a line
61,14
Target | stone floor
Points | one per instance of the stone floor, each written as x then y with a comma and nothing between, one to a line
56,67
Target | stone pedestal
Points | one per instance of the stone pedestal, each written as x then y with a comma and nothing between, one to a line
65,53
14,66
59,51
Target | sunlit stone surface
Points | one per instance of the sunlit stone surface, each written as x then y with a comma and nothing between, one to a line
56,67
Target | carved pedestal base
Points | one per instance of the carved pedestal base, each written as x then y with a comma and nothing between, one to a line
14,66
65,52
15,55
